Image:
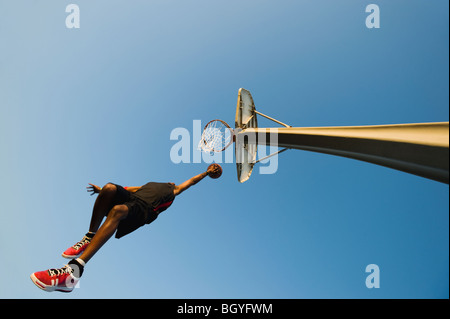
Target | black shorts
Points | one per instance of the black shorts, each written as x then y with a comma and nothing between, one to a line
139,212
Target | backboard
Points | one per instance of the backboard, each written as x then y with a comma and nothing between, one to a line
245,118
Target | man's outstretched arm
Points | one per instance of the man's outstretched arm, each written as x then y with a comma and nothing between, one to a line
94,189
192,181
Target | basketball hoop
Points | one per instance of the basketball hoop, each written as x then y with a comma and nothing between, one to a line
216,137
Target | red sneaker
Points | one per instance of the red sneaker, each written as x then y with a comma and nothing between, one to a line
77,249
61,279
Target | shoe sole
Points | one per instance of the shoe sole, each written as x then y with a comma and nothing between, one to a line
71,256
47,288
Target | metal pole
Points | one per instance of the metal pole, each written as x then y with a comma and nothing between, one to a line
421,149
272,119
266,157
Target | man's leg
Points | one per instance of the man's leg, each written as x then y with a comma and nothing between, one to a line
105,201
105,232
65,279
108,197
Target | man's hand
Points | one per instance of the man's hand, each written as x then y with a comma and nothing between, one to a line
214,171
93,189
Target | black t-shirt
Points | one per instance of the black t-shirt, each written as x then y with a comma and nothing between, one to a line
158,195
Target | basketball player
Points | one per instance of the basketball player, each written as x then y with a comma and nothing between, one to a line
126,209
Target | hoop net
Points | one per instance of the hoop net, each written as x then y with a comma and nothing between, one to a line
216,136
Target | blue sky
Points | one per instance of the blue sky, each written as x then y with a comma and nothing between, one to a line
98,104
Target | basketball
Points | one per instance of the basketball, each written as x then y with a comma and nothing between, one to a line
217,171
